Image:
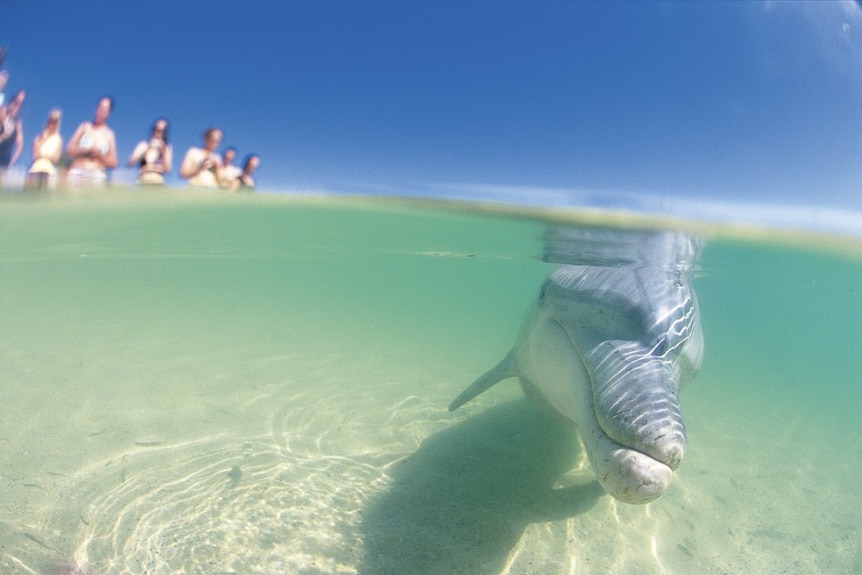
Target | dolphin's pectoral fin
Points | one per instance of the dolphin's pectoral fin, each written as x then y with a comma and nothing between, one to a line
501,371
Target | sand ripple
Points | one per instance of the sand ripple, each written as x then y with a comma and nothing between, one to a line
218,507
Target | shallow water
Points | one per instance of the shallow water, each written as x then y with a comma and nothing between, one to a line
260,385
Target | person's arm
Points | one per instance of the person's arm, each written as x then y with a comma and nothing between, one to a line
57,151
216,168
19,142
37,145
74,149
138,153
246,180
191,166
168,158
109,158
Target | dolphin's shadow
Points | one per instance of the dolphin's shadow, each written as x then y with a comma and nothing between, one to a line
460,503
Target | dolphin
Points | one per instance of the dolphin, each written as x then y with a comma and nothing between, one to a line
612,337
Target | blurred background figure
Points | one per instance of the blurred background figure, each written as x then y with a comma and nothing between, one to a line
246,179
47,147
201,166
93,149
11,133
229,176
153,156
4,75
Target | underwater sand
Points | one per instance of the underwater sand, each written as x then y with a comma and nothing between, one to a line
214,386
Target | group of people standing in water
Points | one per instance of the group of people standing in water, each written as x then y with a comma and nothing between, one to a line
92,152
203,167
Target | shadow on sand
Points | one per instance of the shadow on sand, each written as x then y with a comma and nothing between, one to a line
460,503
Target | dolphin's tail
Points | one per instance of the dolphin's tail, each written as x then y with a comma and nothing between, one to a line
501,371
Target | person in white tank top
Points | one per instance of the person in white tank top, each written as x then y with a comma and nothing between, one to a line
93,149
202,166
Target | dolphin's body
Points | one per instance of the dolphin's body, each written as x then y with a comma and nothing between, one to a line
608,346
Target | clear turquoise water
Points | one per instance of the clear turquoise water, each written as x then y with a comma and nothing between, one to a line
211,385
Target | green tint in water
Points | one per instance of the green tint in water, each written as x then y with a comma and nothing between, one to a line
259,385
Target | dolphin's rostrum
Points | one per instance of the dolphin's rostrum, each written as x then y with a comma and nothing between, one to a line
613,336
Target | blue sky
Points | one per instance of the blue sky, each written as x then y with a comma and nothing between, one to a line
740,101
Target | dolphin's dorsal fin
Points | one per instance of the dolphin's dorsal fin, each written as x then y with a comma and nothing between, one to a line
501,371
